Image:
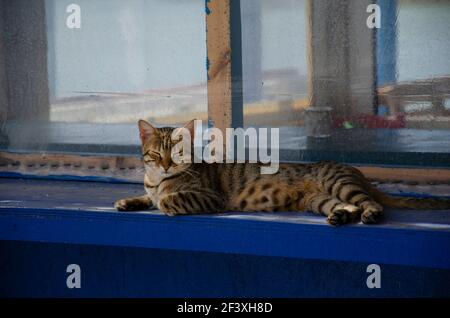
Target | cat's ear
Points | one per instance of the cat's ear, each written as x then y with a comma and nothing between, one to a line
190,126
145,130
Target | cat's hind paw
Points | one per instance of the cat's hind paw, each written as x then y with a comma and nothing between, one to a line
338,217
371,216
343,214
121,205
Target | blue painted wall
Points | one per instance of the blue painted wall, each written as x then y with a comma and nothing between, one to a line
43,230
39,270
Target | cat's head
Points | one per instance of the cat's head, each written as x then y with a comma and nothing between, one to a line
159,146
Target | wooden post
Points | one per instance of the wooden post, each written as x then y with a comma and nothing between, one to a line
24,59
224,63
3,79
362,60
341,54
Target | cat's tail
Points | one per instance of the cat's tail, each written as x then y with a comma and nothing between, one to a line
390,201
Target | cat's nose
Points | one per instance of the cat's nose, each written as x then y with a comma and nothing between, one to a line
165,165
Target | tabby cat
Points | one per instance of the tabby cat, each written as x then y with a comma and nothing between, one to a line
335,190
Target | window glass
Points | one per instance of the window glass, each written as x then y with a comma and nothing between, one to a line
425,25
423,67
124,61
341,88
77,78
274,62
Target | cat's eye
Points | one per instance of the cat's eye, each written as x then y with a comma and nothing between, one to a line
148,159
151,156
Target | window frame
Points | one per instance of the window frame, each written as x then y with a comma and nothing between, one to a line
225,90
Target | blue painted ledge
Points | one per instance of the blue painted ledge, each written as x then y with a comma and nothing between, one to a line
81,213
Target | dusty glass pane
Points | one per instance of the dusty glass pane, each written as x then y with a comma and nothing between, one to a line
424,24
418,89
274,61
127,60
342,89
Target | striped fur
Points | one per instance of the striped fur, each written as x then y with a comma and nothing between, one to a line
338,191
